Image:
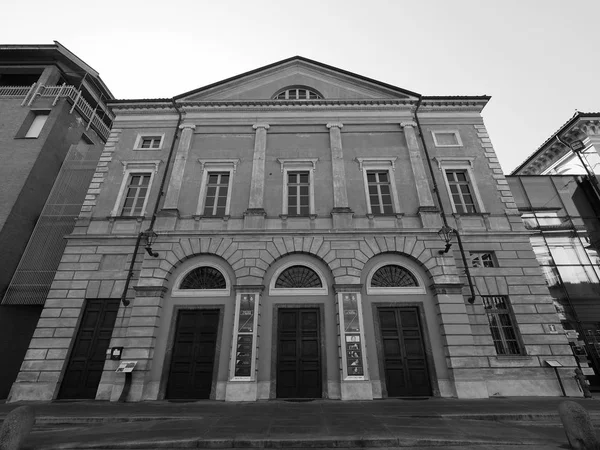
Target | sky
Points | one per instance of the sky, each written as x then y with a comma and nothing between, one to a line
538,59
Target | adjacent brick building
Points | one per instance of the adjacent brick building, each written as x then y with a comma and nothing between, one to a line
53,126
297,252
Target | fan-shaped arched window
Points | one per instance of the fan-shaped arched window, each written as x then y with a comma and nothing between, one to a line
298,278
393,276
204,277
295,277
297,93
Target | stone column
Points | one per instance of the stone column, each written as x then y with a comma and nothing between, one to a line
254,217
341,213
176,179
427,210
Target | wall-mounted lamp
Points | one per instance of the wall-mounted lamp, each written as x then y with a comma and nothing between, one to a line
150,236
445,235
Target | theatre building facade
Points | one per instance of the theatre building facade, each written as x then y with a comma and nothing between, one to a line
277,235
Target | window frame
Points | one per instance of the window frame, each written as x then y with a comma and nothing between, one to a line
129,168
324,290
298,165
142,136
176,292
419,289
381,164
479,254
514,326
456,134
35,114
215,165
291,88
466,164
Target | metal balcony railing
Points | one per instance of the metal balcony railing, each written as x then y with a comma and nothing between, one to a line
74,95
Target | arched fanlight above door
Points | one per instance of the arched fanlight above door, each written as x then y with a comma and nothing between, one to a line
391,278
204,280
299,278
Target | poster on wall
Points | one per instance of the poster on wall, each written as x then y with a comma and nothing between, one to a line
245,336
354,356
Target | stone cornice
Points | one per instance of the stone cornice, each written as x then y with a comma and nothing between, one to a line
442,104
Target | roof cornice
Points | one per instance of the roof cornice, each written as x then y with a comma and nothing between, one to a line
577,127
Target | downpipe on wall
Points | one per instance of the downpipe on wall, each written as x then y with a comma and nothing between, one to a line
149,233
436,190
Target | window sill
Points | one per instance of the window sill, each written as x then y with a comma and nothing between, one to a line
515,357
147,149
202,217
286,217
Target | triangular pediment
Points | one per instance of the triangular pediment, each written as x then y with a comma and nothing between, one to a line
331,83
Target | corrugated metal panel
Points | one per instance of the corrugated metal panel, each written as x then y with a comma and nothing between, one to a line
34,275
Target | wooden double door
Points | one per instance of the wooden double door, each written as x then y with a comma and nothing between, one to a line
88,356
404,358
193,357
299,353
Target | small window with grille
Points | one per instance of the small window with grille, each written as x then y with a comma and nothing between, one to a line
482,259
391,276
380,196
504,332
298,278
461,192
136,194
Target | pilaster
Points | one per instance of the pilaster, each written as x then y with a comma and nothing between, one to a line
176,178
255,215
341,213
427,210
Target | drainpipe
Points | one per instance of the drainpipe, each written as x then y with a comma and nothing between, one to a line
436,190
150,230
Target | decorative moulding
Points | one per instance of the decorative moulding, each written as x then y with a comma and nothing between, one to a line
141,165
366,162
297,161
233,162
449,161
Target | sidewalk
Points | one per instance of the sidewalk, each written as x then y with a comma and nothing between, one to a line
532,422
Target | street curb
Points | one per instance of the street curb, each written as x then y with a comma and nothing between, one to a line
347,442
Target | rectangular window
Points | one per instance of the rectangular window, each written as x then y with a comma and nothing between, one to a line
380,196
150,142
135,197
217,188
501,325
298,193
460,191
482,259
37,124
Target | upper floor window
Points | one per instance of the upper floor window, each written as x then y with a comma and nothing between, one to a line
39,120
215,190
149,142
297,93
137,192
298,186
380,185
460,190
132,199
